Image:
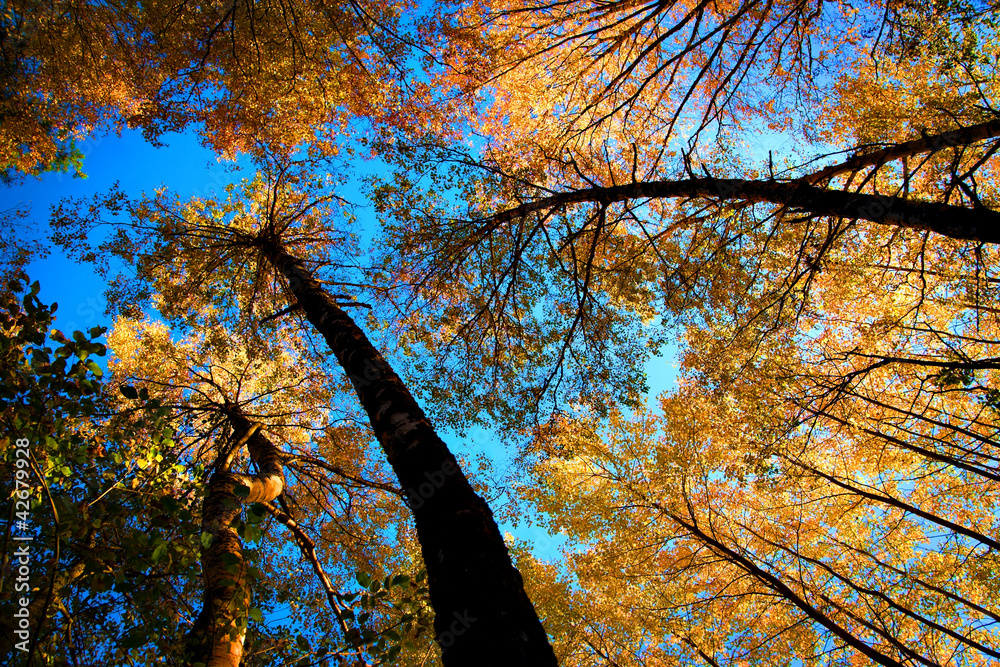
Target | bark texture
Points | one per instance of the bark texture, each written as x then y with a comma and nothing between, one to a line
216,639
482,614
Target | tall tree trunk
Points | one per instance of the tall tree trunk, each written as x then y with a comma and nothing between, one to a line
482,614
217,637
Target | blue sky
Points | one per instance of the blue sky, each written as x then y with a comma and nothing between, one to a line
137,166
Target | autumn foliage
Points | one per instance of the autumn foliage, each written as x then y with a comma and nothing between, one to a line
789,208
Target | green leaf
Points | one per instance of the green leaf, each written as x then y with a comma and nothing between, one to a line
129,392
170,504
303,644
256,513
251,533
230,560
256,614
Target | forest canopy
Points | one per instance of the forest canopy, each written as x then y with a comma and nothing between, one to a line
719,280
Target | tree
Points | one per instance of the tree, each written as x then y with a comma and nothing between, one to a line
844,363
829,460
479,601
596,217
242,73
268,399
77,476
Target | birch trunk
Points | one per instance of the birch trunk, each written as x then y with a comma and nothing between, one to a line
216,639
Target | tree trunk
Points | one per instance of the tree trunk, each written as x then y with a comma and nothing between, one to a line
217,637
482,614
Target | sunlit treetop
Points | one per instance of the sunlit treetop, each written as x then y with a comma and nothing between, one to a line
614,91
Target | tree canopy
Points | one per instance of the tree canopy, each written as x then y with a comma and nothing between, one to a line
795,204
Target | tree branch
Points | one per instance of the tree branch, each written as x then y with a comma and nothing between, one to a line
958,222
